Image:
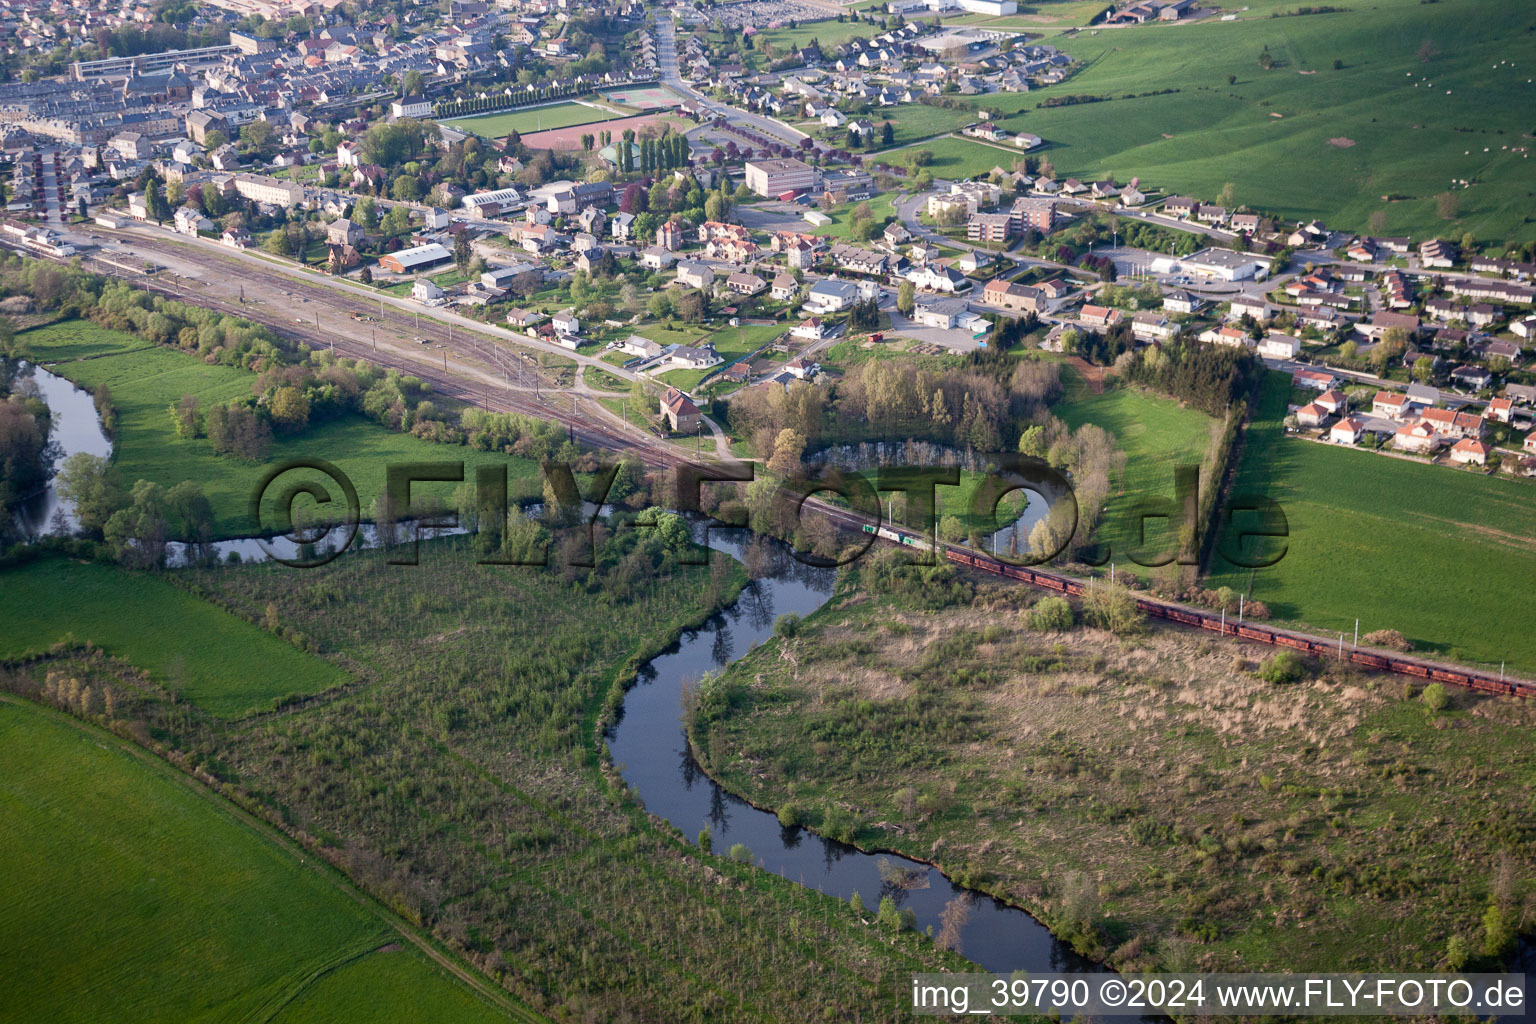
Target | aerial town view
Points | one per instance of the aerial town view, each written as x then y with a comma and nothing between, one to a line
675,512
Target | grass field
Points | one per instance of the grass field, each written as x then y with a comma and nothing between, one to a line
958,158
558,115
880,207
1156,434
145,382
1422,92
130,897
387,985
221,663
80,339
731,342
1431,551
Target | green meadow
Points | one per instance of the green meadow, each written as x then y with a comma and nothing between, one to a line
1443,555
146,382
880,207
130,896
731,342
221,663
1426,93
1157,435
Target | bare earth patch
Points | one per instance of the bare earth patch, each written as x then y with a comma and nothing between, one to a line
1341,142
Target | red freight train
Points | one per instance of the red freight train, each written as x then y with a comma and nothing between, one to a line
1217,623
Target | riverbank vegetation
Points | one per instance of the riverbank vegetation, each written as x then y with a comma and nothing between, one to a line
458,777
1156,801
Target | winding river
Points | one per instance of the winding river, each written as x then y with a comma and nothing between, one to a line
76,428
650,749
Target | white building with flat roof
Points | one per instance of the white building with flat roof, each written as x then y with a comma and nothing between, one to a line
1222,264
775,177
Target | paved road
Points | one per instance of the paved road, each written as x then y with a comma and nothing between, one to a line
666,58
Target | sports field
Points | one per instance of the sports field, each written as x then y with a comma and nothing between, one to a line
570,138
131,896
223,664
643,97
1443,555
556,115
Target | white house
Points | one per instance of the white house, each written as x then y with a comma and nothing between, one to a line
565,323
813,329
1279,346
832,295
656,258
427,293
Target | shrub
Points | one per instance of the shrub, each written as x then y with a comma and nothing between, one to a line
1435,698
706,839
787,626
790,816
1283,667
1388,638
1111,606
857,903
741,854
889,917
1050,615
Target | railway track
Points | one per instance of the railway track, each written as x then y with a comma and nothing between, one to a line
1203,619
659,455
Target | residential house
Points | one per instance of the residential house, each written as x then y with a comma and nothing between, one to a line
1453,424
565,323
745,284
1317,380
937,278
1247,305
1474,377
427,293
1334,402
784,287
1231,337
692,274
1468,452
1419,438
682,415
344,232
1347,430
832,295
1149,325
1500,410
813,329
690,357
1279,346
1014,296
1102,317
1390,405
656,258
1181,302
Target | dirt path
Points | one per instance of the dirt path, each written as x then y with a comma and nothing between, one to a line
1092,375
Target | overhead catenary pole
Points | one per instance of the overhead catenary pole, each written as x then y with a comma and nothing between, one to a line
1357,632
